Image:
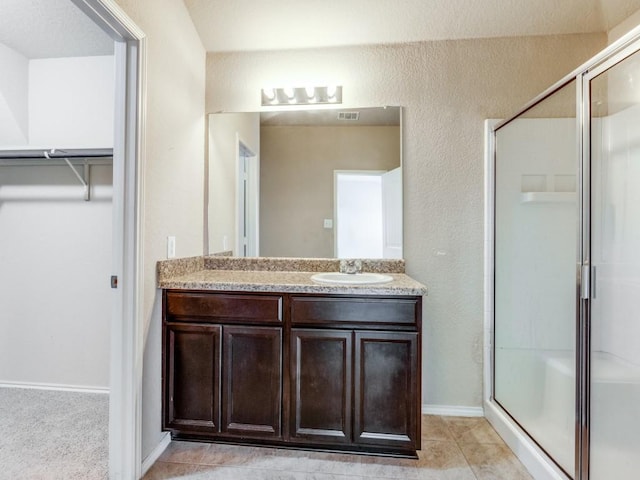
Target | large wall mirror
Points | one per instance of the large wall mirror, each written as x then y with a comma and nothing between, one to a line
318,183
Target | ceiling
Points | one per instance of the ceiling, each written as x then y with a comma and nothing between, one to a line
57,28
240,25
50,29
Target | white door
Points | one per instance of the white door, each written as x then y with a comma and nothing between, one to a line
358,214
392,213
248,199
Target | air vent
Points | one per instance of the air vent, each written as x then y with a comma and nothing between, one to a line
349,116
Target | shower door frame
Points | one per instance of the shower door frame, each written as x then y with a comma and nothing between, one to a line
532,455
617,56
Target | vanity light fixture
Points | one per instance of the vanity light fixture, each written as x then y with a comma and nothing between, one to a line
301,95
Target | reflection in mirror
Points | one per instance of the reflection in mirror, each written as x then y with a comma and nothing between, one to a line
306,183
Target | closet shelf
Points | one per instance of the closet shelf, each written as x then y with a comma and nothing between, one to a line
54,156
72,158
548,197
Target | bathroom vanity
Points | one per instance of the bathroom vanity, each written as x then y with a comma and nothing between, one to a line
272,358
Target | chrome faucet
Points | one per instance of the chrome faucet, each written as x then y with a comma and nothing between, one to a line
350,266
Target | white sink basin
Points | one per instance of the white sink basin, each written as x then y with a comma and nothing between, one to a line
351,278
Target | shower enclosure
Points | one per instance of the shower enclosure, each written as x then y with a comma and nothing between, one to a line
563,273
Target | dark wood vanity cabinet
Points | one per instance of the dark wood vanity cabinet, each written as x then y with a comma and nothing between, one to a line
355,387
222,374
192,380
306,370
321,385
385,389
251,381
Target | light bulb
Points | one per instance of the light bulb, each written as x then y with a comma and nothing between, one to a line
269,93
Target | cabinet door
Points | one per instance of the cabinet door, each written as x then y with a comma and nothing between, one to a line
386,389
321,364
192,378
252,381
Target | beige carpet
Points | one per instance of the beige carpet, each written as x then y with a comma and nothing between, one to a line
53,435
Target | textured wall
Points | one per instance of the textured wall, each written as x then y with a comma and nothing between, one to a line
447,88
173,170
296,181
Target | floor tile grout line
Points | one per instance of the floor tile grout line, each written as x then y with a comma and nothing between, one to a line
466,460
499,442
473,472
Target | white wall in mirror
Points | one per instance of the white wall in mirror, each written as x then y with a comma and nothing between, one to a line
298,153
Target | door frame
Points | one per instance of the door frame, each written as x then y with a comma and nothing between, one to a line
247,207
125,395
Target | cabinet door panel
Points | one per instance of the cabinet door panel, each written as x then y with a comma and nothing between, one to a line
192,378
386,386
252,381
321,365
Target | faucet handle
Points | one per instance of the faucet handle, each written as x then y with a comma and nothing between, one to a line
350,266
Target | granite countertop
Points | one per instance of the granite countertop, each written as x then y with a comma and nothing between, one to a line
278,275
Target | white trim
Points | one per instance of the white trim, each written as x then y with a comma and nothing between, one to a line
108,15
489,183
247,198
452,410
125,419
54,387
155,453
539,465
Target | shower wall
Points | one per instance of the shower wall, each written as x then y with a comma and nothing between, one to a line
616,248
537,234
535,267
615,237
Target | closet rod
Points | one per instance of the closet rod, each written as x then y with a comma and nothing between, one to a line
55,153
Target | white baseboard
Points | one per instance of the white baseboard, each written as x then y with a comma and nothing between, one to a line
55,386
156,452
452,410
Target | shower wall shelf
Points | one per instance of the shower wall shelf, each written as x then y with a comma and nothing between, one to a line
72,158
548,197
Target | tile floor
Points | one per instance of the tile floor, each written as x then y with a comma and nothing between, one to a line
453,448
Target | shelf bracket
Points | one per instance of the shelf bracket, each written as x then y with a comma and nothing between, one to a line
84,179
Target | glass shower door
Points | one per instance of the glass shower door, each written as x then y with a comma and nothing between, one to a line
614,448
536,236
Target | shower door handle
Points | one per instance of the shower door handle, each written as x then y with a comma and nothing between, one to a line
584,282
